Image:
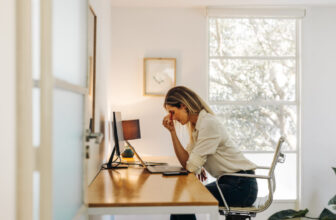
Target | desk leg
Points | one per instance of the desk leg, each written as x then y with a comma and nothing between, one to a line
214,215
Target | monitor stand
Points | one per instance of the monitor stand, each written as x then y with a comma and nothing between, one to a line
119,165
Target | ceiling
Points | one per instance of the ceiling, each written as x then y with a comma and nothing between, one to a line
204,3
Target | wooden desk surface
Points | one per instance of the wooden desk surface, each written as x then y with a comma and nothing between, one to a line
135,186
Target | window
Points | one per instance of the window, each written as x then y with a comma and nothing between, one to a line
254,88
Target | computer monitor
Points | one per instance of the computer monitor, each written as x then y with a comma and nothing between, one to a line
118,137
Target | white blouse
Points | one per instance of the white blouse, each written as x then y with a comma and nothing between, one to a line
213,149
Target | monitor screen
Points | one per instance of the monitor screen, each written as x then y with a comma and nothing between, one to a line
118,137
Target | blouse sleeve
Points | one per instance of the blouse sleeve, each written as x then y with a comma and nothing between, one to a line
209,137
189,148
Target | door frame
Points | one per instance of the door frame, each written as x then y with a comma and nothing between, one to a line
25,153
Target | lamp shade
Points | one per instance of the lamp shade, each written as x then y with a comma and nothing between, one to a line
131,129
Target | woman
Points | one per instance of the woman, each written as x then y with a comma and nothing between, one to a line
209,148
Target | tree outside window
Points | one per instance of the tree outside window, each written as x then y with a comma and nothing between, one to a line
253,71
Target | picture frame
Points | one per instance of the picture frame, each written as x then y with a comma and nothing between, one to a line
159,76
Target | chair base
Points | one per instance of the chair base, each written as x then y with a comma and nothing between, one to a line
237,215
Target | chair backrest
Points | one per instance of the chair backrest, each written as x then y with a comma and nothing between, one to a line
278,157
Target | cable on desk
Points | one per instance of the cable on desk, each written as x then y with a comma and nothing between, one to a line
106,167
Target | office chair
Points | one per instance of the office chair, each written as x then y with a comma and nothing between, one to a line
261,203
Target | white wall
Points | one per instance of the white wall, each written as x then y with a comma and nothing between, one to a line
318,108
126,35
159,32
101,153
103,68
181,33
7,110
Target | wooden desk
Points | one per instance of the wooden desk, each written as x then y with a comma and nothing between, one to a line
136,191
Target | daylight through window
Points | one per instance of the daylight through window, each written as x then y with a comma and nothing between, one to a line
253,88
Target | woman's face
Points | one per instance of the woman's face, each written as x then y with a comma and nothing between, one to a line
178,114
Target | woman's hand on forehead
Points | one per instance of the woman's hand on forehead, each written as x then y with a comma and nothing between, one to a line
168,122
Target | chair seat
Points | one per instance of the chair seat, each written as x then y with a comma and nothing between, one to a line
257,206
261,203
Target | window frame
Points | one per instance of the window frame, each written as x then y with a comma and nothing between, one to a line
236,13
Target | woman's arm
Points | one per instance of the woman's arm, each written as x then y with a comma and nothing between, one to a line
181,153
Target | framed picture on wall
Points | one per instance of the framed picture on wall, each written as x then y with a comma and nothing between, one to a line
159,75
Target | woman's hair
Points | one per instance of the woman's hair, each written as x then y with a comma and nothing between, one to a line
179,95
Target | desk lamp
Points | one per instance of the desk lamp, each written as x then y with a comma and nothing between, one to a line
131,130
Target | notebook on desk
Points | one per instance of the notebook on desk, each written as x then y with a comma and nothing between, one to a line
157,168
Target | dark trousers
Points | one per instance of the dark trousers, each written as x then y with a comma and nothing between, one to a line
237,191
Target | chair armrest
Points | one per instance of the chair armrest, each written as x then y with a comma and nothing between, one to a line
245,175
262,167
